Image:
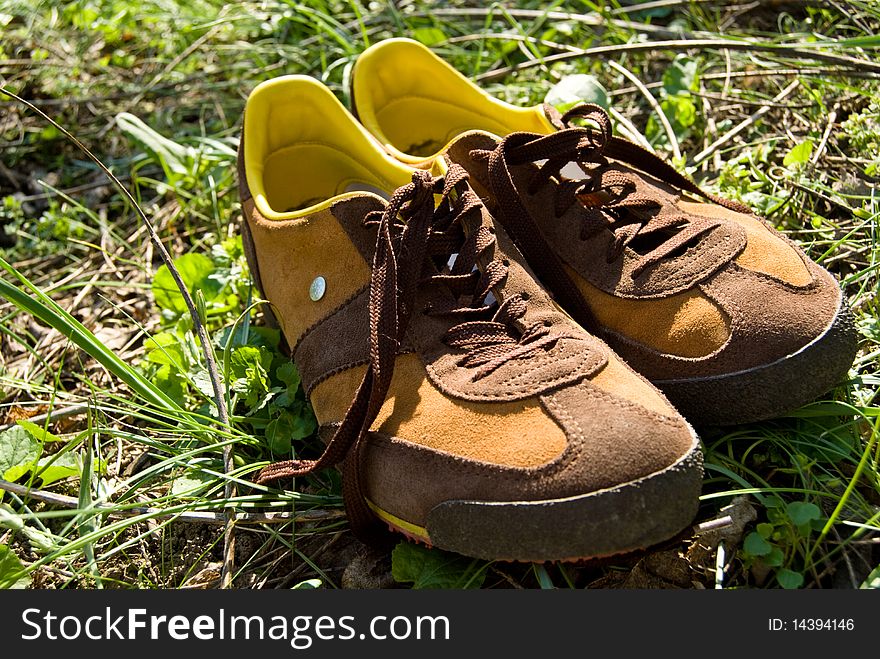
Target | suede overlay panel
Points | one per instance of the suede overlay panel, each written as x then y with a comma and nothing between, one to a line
291,254
611,442
685,324
766,251
515,434
336,343
350,213
769,321
620,380
590,257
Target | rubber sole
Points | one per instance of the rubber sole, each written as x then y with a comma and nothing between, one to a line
617,520
773,389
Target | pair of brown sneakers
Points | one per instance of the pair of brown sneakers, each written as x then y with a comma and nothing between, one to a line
449,282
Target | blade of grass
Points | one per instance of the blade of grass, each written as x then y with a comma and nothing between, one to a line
86,523
210,362
49,312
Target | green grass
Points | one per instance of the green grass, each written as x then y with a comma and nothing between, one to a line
155,89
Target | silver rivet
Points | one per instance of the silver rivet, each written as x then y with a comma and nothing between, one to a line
317,289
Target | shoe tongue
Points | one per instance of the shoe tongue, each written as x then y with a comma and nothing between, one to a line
358,186
459,151
647,185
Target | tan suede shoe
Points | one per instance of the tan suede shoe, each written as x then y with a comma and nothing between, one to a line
723,313
470,412
728,317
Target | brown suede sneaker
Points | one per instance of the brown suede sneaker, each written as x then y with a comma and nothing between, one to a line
730,319
469,411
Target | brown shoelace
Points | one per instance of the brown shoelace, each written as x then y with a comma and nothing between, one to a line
616,201
414,245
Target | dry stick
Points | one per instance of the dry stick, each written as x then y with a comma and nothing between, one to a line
50,416
736,130
687,44
661,116
628,130
210,364
656,4
832,117
205,517
699,38
763,73
593,20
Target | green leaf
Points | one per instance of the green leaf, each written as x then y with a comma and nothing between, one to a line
800,154
195,271
166,348
202,381
801,512
766,530
53,468
19,450
575,89
681,76
39,432
174,158
755,545
279,432
12,571
789,579
432,568
872,581
191,484
304,423
775,558
430,36
681,113
543,576
288,374
250,368
308,584
168,380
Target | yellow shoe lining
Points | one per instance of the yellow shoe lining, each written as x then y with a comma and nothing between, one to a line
411,99
304,150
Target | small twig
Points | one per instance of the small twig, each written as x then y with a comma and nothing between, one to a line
736,130
832,118
202,516
655,4
584,19
760,73
713,525
661,116
52,416
849,566
210,363
739,101
688,44
628,130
